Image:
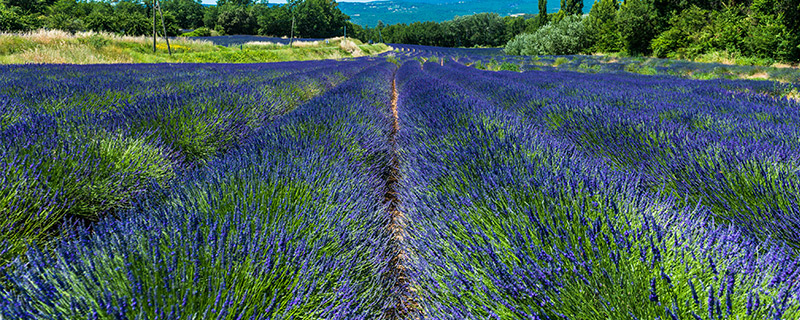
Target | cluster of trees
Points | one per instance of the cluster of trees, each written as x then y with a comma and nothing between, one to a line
483,29
313,18
126,17
479,30
768,29
765,29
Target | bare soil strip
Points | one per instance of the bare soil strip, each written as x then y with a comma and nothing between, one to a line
405,305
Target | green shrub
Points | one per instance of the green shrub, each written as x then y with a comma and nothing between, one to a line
199,32
559,61
95,41
567,36
507,66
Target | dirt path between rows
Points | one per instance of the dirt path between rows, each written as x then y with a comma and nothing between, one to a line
405,305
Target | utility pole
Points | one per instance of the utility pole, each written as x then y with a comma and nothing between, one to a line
291,38
154,26
164,26
157,6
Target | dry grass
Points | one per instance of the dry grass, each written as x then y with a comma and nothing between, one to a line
57,37
67,54
306,44
59,47
351,47
757,76
794,95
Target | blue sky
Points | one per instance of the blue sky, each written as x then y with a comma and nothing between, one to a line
284,1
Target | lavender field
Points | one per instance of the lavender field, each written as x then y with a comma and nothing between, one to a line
407,186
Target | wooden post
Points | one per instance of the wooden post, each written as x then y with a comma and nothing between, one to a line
291,38
154,26
164,26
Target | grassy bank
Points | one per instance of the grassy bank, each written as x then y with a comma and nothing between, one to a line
93,48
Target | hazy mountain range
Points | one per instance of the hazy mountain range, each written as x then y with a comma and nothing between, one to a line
407,11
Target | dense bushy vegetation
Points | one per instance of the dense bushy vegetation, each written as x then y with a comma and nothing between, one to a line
762,31
759,29
567,36
314,18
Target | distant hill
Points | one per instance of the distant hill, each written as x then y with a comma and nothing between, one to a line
408,11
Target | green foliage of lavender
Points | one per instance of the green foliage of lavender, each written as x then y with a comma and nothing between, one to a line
516,212
87,152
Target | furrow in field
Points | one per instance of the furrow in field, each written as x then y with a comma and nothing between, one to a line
405,303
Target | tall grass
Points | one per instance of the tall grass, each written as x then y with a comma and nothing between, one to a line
54,46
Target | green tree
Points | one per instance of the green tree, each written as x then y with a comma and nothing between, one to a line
572,7
514,26
235,19
638,23
29,6
210,16
687,36
10,19
603,29
102,18
237,3
275,21
188,13
542,13
318,18
483,29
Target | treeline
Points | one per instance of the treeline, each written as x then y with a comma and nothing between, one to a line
768,30
483,29
479,30
313,18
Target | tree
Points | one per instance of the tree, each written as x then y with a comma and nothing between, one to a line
210,16
572,7
542,12
514,26
234,19
236,3
603,28
275,21
188,13
687,36
483,29
318,18
29,6
102,18
637,25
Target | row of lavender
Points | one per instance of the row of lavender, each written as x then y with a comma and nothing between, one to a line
80,142
495,59
290,225
713,141
565,195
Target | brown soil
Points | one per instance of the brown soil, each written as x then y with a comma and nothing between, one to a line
405,305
